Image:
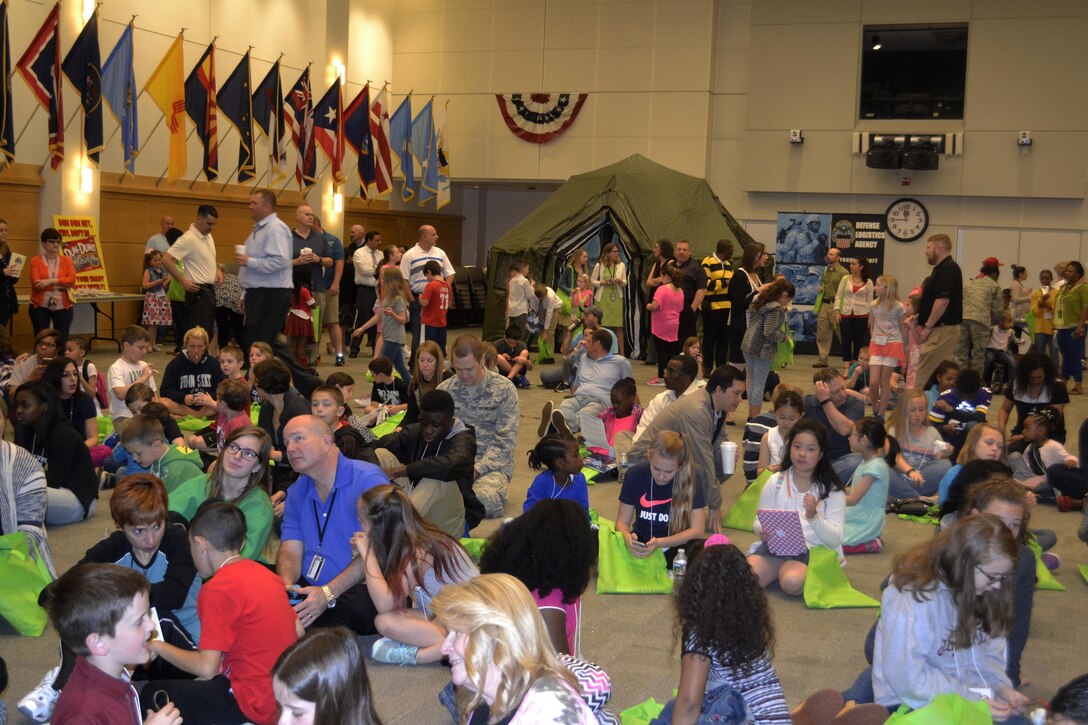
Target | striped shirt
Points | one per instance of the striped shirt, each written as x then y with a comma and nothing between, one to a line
411,266
753,436
760,688
718,274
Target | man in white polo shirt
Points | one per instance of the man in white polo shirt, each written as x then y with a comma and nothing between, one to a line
411,266
196,251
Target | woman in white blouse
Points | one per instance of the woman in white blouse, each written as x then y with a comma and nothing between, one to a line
852,309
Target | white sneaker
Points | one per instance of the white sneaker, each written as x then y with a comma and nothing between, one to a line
39,703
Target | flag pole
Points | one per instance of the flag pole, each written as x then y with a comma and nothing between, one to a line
159,180
25,127
114,134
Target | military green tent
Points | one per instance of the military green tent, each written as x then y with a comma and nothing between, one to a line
632,203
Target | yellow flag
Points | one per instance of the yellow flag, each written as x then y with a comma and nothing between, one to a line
166,86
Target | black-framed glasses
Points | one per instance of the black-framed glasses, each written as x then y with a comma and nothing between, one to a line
236,450
992,578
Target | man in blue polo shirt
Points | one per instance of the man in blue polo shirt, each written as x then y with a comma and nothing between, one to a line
320,516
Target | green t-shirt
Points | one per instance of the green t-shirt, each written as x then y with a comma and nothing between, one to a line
255,505
1072,302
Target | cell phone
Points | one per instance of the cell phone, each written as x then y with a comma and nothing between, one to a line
294,596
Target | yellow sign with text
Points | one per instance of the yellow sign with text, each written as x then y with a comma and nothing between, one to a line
81,245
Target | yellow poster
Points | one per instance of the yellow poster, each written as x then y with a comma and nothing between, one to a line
81,245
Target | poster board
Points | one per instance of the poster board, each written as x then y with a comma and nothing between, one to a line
801,244
79,235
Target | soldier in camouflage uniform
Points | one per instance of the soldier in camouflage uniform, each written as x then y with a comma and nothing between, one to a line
488,402
982,306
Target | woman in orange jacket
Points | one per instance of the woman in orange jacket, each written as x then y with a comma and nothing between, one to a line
51,275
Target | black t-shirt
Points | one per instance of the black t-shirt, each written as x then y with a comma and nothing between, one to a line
945,282
1055,395
694,279
79,409
394,393
502,347
652,502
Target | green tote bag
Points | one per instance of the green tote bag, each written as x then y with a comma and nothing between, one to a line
618,572
24,576
826,585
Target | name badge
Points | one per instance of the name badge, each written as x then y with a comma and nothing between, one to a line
316,565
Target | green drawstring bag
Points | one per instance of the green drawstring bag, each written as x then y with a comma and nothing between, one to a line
566,308
192,423
826,585
544,349
784,355
316,312
643,713
618,572
1029,322
105,427
1083,569
1043,578
946,708
474,547
388,426
24,577
819,303
742,515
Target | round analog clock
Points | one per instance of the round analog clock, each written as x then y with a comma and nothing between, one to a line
906,220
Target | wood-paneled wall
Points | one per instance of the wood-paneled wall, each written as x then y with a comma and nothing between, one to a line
402,227
20,200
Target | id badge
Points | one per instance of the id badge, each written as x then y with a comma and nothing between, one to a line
614,296
984,692
316,565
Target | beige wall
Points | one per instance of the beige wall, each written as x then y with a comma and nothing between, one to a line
646,64
794,64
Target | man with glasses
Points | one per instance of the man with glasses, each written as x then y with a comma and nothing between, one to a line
488,402
316,560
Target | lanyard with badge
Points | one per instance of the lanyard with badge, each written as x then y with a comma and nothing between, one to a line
318,562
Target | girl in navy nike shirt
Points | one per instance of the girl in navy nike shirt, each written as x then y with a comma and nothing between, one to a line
660,505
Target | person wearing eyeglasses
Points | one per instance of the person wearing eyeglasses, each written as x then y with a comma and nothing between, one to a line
51,275
241,476
945,618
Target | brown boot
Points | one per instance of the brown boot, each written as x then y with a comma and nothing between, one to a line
819,708
869,714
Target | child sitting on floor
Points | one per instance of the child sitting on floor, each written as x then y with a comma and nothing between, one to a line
232,402
622,417
389,392
563,477
867,493
143,438
247,622
101,612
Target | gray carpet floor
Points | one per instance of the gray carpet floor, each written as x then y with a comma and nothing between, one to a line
633,637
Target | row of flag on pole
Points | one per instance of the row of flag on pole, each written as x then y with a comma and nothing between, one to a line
418,143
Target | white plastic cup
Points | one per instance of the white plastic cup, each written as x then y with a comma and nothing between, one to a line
729,457
239,249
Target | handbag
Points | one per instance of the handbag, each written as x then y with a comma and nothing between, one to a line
784,354
24,576
620,572
826,585
946,708
742,515
176,291
908,507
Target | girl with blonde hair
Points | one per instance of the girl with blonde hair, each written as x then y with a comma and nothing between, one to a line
887,333
501,657
922,460
660,505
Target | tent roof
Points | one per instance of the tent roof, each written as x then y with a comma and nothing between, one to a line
646,199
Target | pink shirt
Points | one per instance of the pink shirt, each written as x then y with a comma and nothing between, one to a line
665,321
573,613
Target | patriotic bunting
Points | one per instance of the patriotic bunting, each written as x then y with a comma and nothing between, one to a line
540,117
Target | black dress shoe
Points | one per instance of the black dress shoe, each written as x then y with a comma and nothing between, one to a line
353,354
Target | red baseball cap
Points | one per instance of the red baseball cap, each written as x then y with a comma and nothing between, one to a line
991,262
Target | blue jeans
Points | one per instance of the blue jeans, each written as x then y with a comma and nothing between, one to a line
395,352
1045,344
900,486
1072,349
721,705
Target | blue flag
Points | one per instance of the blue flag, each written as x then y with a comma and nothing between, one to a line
357,135
236,103
424,148
7,124
119,89
400,143
201,107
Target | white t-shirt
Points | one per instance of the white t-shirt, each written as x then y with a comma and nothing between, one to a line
122,374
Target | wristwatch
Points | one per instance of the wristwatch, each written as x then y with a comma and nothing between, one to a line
330,600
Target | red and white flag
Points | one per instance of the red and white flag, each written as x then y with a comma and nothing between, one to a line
379,132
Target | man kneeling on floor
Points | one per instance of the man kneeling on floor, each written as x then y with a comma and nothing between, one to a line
433,460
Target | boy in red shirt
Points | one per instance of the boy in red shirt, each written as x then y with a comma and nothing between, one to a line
435,301
101,611
246,622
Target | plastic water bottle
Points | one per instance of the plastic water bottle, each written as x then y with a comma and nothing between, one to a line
679,568
623,468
